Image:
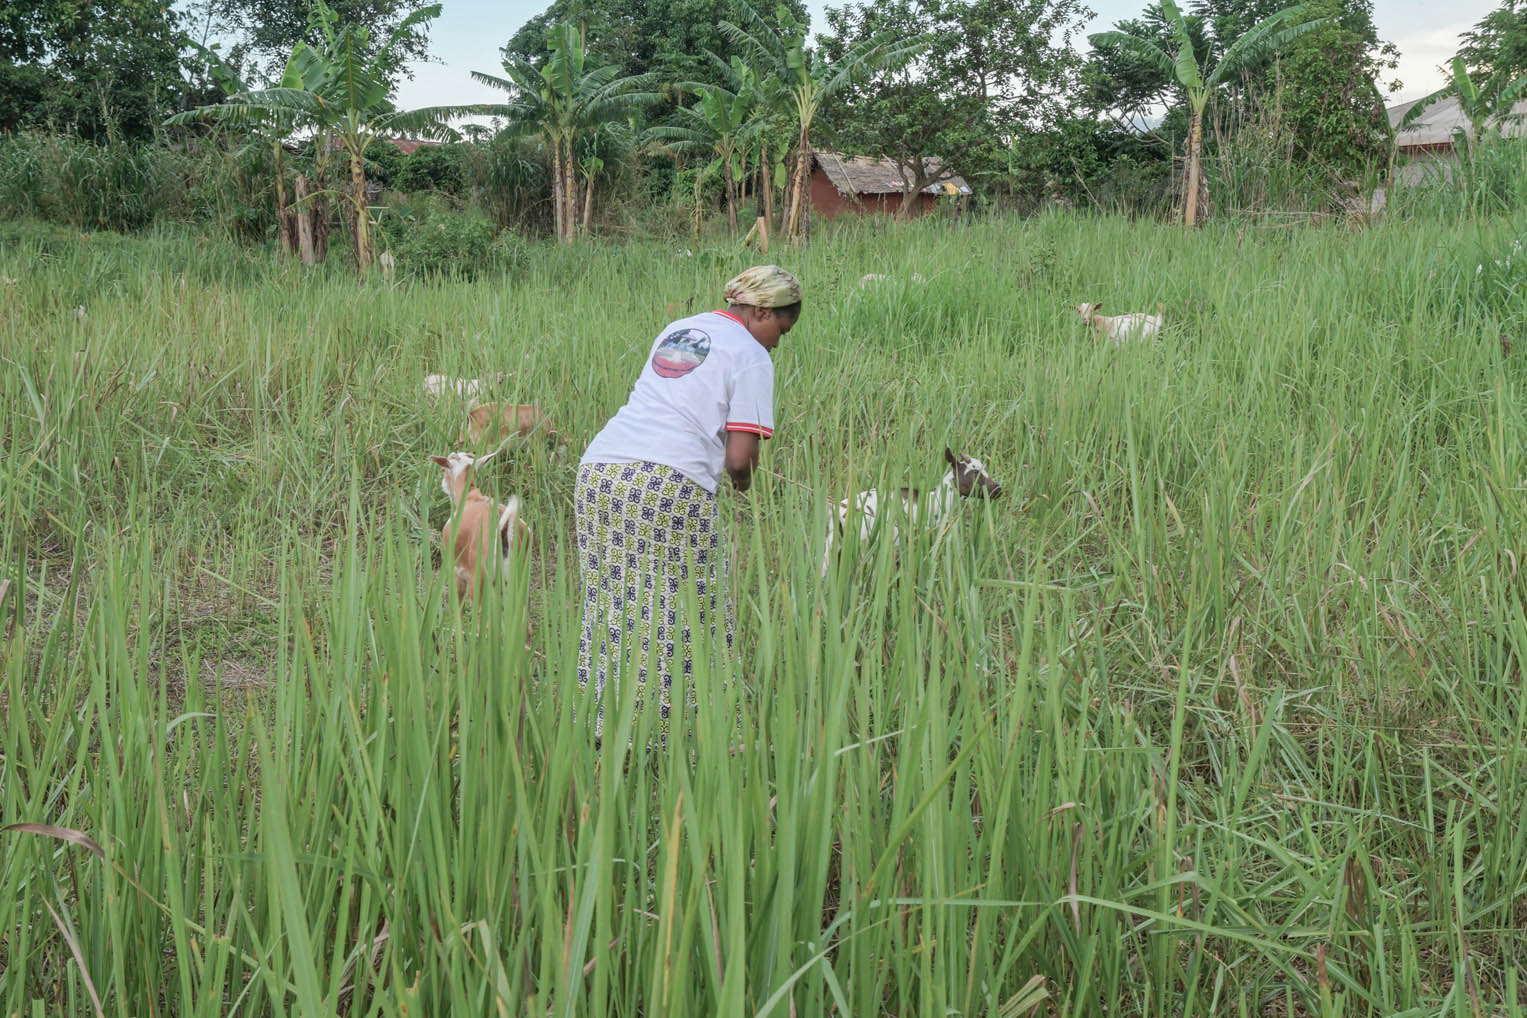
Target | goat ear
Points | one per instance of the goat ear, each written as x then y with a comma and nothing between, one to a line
479,461
441,462
950,457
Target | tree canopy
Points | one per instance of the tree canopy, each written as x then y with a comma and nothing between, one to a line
668,38
97,68
989,70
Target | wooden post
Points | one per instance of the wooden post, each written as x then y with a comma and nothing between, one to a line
763,234
306,213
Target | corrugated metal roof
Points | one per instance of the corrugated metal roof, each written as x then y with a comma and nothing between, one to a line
853,175
1442,118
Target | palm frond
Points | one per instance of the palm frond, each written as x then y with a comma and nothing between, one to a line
1268,35
1142,49
1421,105
427,122
1185,70
218,69
406,26
1507,97
874,54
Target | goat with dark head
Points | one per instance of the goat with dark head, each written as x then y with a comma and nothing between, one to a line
966,478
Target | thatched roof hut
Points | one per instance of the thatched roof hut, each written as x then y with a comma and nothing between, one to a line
859,184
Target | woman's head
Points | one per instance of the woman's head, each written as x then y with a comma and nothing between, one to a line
767,299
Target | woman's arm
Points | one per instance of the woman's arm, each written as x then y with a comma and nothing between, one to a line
741,458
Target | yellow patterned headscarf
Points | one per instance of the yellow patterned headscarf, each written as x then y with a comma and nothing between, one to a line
763,286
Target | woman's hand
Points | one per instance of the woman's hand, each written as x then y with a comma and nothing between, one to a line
741,458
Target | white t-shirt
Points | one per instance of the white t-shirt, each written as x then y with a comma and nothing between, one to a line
706,375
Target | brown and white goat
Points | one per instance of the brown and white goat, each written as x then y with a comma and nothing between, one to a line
967,478
1122,327
482,536
498,421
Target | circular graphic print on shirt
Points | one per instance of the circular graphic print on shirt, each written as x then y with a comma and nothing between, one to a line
680,352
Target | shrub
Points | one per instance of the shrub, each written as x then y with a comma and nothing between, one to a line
512,183
434,168
116,186
439,242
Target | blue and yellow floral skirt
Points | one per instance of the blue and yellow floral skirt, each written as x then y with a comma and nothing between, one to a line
645,533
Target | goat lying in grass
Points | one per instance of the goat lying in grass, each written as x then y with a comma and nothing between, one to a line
967,477
483,537
1122,327
497,421
463,388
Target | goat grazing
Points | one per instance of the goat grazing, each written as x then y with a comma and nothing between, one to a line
967,477
476,524
498,421
462,388
1122,327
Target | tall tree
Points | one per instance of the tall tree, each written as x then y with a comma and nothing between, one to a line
1497,45
991,69
100,68
719,124
665,38
810,77
1196,80
339,90
1324,84
264,32
560,100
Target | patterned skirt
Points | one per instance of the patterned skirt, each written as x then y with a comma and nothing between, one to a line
648,545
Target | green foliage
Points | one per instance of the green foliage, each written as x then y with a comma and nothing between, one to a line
1084,163
564,98
383,163
1498,287
1228,683
441,168
665,38
66,180
263,33
428,240
107,70
1317,87
1325,85
512,181
339,91
991,69
1497,44
1491,180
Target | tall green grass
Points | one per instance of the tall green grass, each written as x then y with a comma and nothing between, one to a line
1219,711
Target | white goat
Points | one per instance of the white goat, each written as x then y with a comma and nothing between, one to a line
1122,327
967,477
464,388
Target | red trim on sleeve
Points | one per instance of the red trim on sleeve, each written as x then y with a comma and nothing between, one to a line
728,314
752,429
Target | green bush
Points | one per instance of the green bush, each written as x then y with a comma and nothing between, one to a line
512,183
439,242
383,163
63,179
434,168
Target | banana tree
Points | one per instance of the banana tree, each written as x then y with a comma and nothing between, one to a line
559,101
339,91
271,127
716,125
1197,80
809,78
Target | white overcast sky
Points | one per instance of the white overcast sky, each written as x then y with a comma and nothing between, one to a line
468,34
